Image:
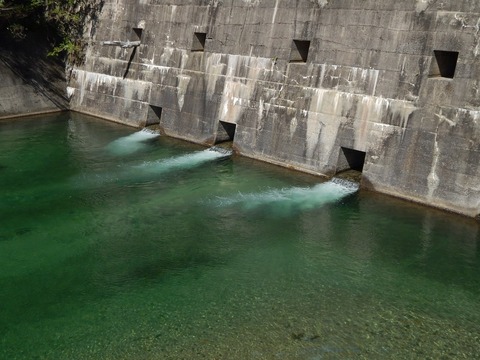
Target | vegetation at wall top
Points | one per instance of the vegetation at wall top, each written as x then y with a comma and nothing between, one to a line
61,21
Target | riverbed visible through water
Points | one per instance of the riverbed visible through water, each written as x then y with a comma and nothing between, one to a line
120,244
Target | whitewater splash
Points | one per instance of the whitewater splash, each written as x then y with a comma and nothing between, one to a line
150,170
291,200
183,161
131,143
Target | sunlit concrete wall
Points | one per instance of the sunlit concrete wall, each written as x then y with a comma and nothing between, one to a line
371,82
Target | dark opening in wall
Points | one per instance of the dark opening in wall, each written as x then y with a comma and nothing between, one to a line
137,34
444,64
225,132
154,115
350,159
198,43
299,51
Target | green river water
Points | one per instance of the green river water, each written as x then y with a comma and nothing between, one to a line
118,245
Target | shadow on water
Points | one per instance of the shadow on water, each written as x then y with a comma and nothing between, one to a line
103,270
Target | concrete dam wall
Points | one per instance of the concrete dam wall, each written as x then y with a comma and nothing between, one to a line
391,88
31,81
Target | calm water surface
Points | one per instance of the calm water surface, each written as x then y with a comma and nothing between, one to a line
119,245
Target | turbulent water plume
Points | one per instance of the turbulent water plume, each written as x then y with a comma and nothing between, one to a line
183,161
149,170
291,200
131,143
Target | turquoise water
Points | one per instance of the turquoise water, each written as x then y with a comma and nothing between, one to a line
116,244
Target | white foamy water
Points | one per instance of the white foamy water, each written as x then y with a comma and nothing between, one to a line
131,143
287,201
183,161
151,169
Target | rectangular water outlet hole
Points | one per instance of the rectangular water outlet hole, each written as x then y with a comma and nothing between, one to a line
137,34
198,42
444,64
225,132
154,115
299,51
350,159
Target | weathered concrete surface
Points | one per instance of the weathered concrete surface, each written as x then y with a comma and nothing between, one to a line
370,83
31,82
